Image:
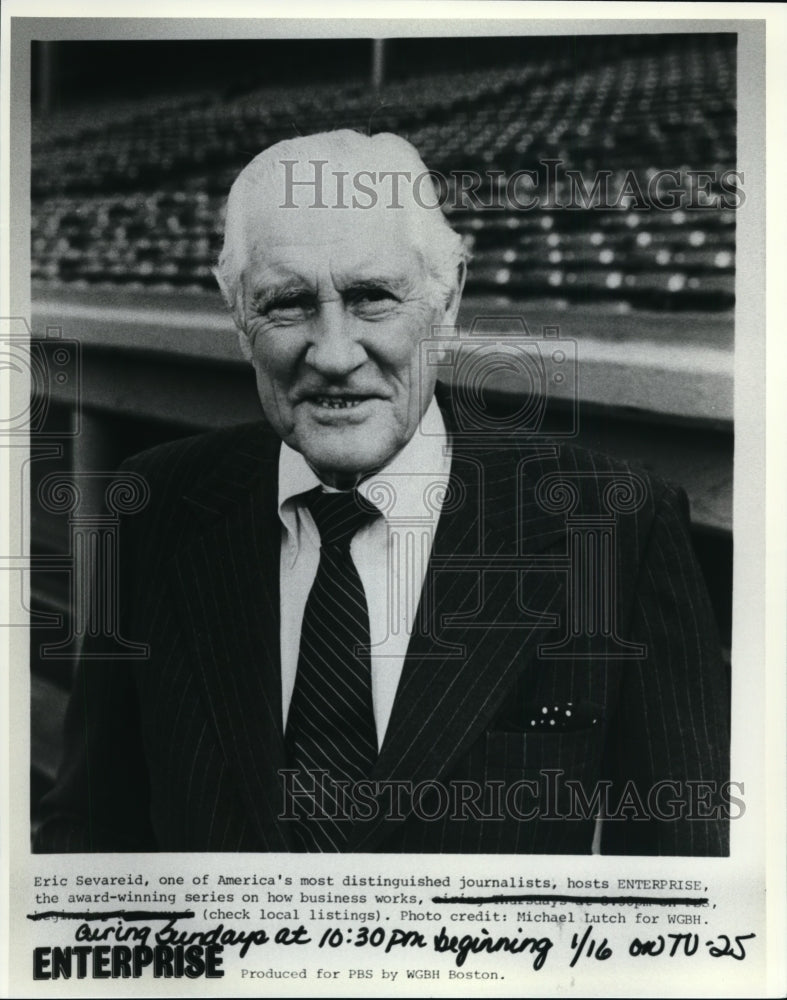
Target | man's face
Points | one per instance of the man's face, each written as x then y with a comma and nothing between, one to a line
337,303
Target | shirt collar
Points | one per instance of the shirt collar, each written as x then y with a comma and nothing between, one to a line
426,453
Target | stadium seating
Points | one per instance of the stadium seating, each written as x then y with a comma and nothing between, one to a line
137,200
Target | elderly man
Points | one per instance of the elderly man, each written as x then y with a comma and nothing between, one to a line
373,630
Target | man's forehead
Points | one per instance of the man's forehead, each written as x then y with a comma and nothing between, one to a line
347,261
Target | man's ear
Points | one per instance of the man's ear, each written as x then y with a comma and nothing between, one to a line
223,288
452,306
451,312
234,302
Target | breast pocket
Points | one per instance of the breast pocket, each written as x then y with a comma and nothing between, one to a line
555,734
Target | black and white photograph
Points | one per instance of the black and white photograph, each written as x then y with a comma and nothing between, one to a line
387,452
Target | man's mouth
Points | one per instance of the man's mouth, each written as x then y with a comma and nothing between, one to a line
338,402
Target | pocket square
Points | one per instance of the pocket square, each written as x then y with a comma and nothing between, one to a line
561,717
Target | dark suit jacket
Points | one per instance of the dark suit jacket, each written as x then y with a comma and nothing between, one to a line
182,751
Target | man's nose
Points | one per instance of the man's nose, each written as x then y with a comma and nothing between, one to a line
335,350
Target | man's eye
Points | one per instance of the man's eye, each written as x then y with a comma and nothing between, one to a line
373,299
284,310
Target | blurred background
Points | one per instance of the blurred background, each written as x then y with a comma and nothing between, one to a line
134,147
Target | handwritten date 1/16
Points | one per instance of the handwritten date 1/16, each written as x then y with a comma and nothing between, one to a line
589,947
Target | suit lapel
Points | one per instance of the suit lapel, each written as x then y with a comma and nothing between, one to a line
227,581
463,659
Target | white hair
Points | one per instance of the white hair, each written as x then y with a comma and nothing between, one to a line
441,248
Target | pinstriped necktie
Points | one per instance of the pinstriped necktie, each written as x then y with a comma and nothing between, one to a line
330,727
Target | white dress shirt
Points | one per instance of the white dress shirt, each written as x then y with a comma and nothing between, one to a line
391,554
